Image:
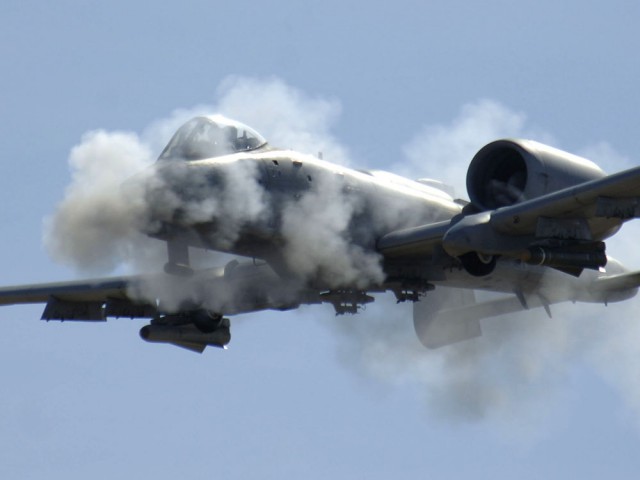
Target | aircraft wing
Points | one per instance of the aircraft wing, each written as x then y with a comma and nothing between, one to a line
236,288
89,300
614,196
572,213
421,240
184,311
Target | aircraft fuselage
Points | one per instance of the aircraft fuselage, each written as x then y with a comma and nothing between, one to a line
281,182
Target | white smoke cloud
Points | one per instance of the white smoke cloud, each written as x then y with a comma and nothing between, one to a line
443,152
286,116
113,194
616,354
515,371
605,155
317,245
93,228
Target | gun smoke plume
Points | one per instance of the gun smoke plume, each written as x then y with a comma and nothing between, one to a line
94,228
516,369
97,226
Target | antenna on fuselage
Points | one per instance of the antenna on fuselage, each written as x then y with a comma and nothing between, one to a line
320,155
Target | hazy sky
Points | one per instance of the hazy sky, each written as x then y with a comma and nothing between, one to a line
412,87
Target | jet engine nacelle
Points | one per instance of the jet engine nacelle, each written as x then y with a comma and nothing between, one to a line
508,171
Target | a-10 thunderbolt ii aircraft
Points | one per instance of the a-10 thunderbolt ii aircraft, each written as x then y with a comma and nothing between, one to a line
306,231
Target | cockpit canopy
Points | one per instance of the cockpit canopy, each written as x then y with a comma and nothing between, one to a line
211,136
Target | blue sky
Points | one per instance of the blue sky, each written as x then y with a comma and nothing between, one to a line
414,87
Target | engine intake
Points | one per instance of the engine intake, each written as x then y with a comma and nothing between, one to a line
506,172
